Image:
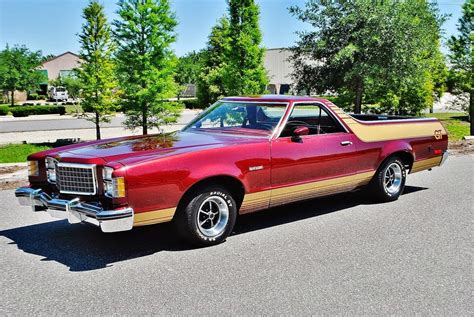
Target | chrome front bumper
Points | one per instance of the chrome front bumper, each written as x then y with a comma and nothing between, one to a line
75,211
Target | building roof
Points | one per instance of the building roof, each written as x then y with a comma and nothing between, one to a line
60,55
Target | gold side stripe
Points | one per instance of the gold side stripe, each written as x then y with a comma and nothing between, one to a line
152,217
390,131
385,132
263,199
425,164
322,184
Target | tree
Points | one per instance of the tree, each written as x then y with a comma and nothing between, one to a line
382,50
71,82
96,72
18,70
146,63
210,83
245,72
188,69
462,57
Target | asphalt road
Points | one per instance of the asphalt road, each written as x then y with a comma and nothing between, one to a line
338,255
70,124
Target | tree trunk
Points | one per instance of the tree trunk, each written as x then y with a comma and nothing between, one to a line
13,97
471,112
358,96
144,121
97,126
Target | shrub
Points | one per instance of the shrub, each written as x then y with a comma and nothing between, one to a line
32,110
33,96
193,104
4,110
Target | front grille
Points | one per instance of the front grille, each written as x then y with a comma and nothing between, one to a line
74,178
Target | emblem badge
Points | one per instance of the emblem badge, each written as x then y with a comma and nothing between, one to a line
438,135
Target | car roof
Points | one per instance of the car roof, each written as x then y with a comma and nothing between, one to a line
275,98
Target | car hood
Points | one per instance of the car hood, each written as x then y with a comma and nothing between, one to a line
157,145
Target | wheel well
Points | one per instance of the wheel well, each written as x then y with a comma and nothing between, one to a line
406,157
233,185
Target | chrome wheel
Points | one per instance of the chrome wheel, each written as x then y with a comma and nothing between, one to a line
393,178
213,216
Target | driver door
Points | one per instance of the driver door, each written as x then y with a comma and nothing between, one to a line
312,165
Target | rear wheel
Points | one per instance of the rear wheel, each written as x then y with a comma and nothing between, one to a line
207,217
389,181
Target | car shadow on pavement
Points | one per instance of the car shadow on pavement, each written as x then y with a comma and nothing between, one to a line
306,209
85,248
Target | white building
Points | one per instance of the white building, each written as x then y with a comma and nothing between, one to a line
279,68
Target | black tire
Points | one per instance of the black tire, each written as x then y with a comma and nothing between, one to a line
379,189
192,212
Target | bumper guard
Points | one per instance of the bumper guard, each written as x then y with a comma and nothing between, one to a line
75,211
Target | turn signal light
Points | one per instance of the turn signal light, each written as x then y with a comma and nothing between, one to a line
118,185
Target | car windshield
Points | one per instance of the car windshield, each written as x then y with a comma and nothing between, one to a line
239,117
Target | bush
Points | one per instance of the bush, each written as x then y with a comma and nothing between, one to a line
193,104
4,110
33,96
22,111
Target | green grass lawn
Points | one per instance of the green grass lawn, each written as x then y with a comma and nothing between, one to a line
455,122
13,153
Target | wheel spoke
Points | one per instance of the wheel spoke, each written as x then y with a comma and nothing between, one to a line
204,212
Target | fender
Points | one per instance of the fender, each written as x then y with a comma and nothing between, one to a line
395,146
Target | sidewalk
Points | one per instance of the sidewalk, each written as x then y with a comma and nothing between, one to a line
10,118
83,134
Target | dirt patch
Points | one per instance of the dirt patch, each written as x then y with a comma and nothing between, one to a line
13,176
10,169
14,184
462,147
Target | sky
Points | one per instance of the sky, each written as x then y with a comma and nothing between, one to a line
52,25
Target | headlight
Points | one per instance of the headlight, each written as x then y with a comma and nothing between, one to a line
33,169
107,173
113,186
51,169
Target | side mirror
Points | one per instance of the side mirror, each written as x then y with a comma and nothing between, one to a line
298,132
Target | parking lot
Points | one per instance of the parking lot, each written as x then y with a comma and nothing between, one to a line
335,255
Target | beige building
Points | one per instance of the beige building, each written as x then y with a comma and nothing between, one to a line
61,65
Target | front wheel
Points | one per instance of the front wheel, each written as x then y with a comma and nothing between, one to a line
389,180
207,217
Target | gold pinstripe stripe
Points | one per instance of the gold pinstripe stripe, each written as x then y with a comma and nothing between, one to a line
425,164
152,217
274,197
392,131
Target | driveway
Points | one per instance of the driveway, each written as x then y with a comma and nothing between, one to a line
337,255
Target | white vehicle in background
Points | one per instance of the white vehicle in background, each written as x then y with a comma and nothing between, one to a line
58,93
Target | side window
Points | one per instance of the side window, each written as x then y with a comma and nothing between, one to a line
312,116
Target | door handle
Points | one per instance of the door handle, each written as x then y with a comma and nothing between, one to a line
344,143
